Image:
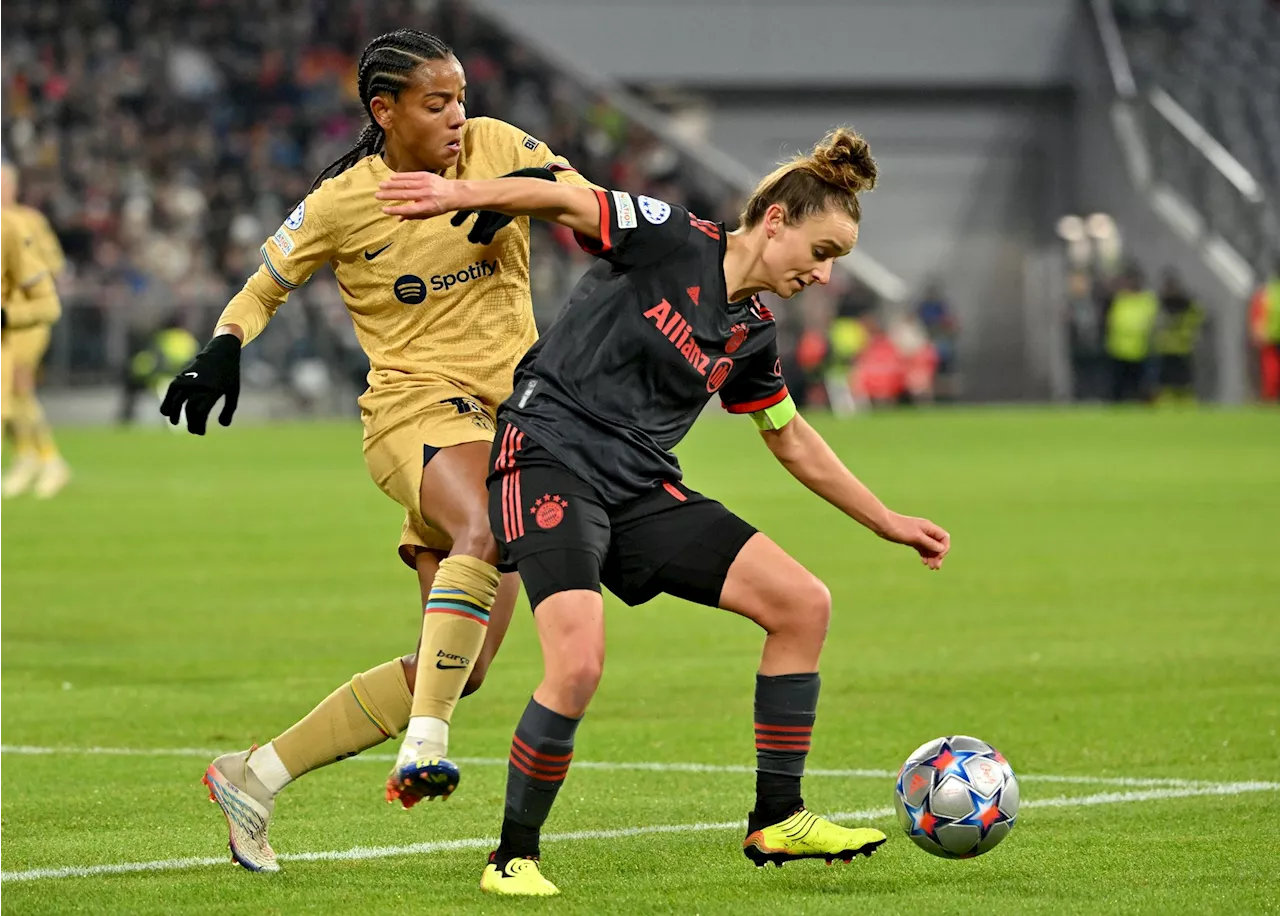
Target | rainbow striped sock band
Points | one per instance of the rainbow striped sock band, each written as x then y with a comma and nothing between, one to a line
457,602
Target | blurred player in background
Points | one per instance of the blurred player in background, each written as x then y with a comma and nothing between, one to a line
585,490
443,317
37,464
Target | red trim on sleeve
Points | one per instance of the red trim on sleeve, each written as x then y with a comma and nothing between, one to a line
605,220
601,245
705,226
671,488
763,404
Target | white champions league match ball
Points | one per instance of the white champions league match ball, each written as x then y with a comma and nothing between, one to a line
956,797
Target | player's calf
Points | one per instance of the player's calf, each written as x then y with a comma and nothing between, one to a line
455,621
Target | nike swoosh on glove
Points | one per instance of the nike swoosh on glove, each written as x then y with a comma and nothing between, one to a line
213,374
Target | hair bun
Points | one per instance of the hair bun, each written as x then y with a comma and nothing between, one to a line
843,159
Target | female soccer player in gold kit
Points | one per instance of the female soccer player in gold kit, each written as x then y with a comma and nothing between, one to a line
37,464
443,321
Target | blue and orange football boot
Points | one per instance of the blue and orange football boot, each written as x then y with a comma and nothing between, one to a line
416,776
247,805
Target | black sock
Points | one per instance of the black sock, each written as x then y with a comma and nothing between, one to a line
541,751
786,706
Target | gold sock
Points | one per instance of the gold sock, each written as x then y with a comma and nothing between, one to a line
366,711
23,411
41,432
453,627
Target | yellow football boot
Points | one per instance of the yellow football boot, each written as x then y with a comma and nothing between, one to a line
804,835
518,878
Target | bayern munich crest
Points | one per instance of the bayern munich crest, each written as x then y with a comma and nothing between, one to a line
548,510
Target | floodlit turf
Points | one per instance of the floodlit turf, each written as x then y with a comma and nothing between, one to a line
1110,609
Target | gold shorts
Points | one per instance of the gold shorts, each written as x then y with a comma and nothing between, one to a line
396,454
26,347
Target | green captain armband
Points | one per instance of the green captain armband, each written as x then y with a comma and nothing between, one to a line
777,416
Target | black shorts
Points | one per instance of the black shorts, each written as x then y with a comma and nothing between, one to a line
556,530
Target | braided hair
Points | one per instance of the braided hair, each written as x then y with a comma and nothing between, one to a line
385,65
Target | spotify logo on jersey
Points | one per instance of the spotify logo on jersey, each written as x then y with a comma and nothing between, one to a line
411,290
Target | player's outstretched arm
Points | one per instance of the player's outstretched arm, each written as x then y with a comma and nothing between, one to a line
808,458
422,195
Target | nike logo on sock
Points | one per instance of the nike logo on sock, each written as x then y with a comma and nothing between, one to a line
370,255
444,667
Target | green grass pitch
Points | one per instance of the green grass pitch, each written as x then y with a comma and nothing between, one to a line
1110,610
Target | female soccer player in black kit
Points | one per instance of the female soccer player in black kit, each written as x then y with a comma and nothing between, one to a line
585,491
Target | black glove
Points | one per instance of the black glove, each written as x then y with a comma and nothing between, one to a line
214,373
488,222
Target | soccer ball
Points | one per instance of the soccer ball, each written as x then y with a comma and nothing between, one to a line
956,797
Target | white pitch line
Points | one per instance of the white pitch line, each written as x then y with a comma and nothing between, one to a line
656,767
382,852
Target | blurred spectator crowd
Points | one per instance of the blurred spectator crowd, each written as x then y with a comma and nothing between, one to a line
850,351
165,139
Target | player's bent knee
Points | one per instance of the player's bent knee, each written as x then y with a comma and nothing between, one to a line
476,540
806,610
817,606
24,380
410,664
578,679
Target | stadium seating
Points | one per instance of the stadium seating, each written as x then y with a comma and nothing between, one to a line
165,160
1221,62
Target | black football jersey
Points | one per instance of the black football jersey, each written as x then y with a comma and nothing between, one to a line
647,338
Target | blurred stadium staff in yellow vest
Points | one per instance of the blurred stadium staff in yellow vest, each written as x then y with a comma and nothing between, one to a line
1131,320
1264,330
1178,330
848,338
31,310
151,369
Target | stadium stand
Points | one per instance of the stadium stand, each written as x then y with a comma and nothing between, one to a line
1219,61
167,139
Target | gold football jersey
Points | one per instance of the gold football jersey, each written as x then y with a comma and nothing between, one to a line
432,310
27,288
44,242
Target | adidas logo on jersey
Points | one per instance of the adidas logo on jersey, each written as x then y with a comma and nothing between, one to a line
478,270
